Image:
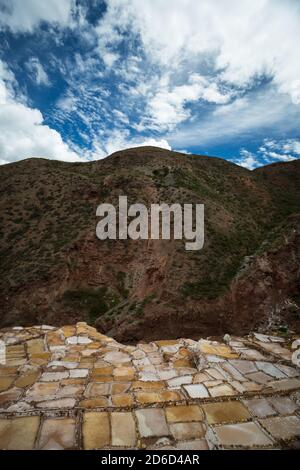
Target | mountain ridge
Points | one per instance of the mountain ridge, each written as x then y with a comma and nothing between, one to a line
54,268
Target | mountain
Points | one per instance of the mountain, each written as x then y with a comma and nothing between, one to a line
53,268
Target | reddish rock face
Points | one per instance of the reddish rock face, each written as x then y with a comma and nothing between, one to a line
54,269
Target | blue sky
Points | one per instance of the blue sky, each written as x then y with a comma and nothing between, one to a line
80,79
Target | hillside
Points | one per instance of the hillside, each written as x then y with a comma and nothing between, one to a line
54,269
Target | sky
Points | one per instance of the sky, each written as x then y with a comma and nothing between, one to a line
81,79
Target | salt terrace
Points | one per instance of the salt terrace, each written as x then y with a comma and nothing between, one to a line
74,388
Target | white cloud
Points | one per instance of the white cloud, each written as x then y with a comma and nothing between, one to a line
244,40
110,30
280,157
109,58
25,15
291,145
260,113
247,160
198,53
7,80
22,132
167,107
3,93
67,103
269,152
23,135
295,91
282,150
121,140
162,143
121,117
187,71
37,72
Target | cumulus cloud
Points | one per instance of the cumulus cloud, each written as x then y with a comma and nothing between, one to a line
242,41
22,131
25,15
245,39
186,73
193,54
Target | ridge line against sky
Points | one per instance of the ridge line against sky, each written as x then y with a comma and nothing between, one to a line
80,79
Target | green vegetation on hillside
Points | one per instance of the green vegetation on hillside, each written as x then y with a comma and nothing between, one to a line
93,301
48,220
